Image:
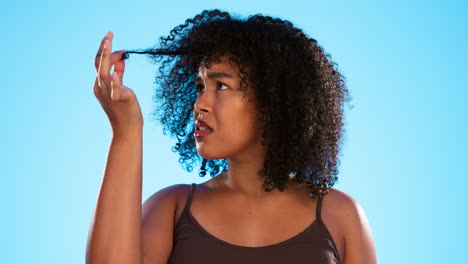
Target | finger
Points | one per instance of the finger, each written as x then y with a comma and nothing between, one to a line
98,62
104,64
117,77
98,57
115,84
119,66
115,58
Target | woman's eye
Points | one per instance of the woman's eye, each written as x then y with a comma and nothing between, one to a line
198,88
222,84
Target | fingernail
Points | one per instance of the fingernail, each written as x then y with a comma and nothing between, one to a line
106,43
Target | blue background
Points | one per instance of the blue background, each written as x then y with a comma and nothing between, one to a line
403,157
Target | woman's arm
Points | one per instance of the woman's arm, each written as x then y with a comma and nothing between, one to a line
115,234
359,244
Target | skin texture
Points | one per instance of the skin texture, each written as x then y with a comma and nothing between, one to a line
233,205
232,116
241,220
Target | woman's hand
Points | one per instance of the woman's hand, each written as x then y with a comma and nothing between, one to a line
118,101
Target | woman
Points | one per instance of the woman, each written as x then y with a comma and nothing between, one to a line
262,105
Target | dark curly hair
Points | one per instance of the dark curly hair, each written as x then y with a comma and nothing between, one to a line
299,92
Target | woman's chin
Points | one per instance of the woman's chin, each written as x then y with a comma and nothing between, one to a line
211,157
209,154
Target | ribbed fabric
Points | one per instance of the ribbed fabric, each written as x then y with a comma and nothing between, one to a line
193,244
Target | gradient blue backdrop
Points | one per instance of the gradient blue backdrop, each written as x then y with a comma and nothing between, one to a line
403,156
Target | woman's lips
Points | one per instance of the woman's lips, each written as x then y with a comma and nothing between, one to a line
199,123
201,133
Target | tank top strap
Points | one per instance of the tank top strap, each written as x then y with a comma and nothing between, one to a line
189,198
318,214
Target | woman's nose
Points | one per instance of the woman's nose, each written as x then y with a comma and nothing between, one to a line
203,103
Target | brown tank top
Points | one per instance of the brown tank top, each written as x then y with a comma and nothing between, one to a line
194,245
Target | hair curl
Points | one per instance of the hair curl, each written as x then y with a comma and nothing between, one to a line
300,94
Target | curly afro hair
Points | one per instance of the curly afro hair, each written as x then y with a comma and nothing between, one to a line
300,94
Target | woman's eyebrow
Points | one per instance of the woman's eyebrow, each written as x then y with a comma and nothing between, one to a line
214,75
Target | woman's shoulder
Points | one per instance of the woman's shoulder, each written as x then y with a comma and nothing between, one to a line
342,206
165,200
339,199
170,193
158,212
174,196
345,213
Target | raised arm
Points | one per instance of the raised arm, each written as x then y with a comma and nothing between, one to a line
115,234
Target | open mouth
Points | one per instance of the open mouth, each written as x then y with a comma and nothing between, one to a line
202,126
198,128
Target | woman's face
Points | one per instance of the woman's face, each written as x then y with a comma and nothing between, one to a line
227,111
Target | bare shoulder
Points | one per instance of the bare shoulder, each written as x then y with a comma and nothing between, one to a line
355,228
168,195
165,201
347,210
340,200
158,212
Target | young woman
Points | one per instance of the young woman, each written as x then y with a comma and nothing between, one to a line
261,105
